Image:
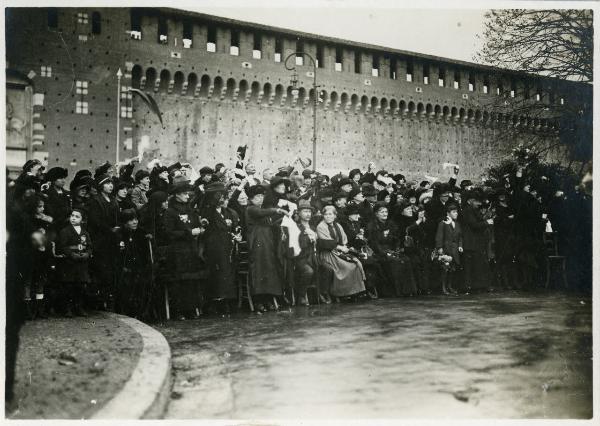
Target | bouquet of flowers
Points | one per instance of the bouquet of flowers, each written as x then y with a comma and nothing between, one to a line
444,260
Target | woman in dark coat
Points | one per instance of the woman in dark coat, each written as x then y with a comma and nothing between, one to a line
134,284
219,245
152,218
505,242
182,226
103,221
449,242
418,253
265,268
475,236
383,237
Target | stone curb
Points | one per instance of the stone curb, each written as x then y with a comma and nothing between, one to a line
146,393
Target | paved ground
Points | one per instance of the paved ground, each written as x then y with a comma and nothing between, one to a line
488,356
69,368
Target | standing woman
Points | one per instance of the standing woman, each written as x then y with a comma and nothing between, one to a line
474,227
348,274
182,227
265,269
219,245
103,220
382,234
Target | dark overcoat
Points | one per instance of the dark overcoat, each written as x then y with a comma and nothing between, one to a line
449,238
77,249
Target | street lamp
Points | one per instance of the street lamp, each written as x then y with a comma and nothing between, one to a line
119,75
295,91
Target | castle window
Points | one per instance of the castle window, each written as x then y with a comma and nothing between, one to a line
393,68
211,40
82,18
319,59
162,30
234,49
81,87
375,66
409,72
471,83
52,17
339,55
442,78
357,57
299,52
257,46
81,107
456,80
188,34
96,23
278,50
46,71
135,17
425,74
486,86
126,102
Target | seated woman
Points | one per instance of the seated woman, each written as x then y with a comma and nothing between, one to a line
348,274
386,243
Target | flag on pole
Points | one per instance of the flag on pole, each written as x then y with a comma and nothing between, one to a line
148,100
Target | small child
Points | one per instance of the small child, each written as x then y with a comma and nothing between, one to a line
75,246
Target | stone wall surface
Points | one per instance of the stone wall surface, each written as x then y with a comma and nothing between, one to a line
212,102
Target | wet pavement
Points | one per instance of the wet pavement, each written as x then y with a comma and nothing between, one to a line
486,356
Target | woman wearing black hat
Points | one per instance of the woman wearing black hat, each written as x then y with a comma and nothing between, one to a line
58,201
122,196
476,240
265,268
383,237
159,180
220,240
183,229
449,246
103,221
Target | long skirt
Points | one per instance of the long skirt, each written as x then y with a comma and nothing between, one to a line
399,273
348,277
221,283
477,269
265,270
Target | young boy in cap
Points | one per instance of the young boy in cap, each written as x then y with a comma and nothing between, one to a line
75,247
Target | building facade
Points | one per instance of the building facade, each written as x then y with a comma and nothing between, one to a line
221,83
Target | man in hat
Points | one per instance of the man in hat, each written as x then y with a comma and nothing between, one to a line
305,264
475,242
58,199
142,185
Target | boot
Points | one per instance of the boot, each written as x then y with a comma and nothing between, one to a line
40,309
29,310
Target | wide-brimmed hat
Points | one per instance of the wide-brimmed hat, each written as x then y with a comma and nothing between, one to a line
278,180
474,194
56,173
29,164
127,215
353,193
102,169
215,187
351,209
141,174
354,172
173,167
180,184
255,190
345,181
206,171
100,180
369,190
305,205
452,206
307,173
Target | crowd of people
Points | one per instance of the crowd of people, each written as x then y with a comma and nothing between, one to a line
119,236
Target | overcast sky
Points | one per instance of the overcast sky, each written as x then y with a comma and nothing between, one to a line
441,32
